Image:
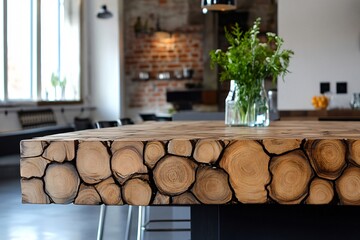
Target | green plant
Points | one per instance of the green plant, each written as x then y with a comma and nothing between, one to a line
54,80
248,61
62,83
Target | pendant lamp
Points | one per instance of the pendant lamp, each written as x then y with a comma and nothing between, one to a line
218,5
104,13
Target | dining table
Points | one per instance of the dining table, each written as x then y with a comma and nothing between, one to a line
290,180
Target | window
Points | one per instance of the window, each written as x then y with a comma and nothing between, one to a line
40,57
2,46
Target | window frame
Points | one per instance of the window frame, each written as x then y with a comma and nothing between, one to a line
35,63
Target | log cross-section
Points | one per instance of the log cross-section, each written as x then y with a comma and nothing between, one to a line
211,186
154,151
61,182
195,162
247,165
174,175
327,157
291,177
207,151
93,162
127,159
60,151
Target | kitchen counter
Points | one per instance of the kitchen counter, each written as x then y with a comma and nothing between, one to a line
236,180
173,162
313,115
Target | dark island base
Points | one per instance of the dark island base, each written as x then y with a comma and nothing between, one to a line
232,222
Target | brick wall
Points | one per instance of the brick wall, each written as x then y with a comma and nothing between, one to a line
147,51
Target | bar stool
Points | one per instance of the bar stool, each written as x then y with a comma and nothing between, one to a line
144,223
104,124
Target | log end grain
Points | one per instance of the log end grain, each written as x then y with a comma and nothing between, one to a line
180,147
61,182
87,196
247,166
321,192
348,186
327,157
211,186
137,192
174,175
207,151
33,167
291,177
33,191
93,162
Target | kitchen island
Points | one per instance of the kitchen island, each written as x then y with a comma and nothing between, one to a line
223,172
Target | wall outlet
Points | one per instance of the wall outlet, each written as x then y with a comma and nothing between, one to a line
324,87
341,87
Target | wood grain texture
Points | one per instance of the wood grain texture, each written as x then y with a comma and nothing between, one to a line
60,151
33,167
109,191
154,151
186,163
87,196
180,147
321,192
348,186
207,151
161,199
33,191
291,177
137,192
174,175
327,157
93,162
211,186
247,165
32,148
354,151
61,182
186,198
216,130
279,146
127,159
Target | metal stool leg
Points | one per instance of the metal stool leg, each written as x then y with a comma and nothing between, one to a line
101,222
141,223
128,223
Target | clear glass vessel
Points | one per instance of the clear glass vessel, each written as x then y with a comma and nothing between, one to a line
247,112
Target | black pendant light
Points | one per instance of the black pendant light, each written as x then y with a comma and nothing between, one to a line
104,13
218,5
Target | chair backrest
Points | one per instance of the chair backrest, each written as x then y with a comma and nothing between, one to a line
126,121
198,116
148,116
104,124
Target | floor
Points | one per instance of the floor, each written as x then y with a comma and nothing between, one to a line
61,222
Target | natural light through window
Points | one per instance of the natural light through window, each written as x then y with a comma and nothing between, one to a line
19,49
60,66
1,51
39,51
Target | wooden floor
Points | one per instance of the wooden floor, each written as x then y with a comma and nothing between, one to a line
59,222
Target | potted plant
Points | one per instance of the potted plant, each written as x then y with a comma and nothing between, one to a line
247,63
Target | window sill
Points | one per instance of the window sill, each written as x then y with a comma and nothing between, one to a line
56,103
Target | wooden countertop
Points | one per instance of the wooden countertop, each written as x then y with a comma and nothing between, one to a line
185,163
164,131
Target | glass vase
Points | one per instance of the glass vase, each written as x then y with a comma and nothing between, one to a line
242,110
262,109
236,113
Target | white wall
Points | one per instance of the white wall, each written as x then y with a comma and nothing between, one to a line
102,51
325,35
